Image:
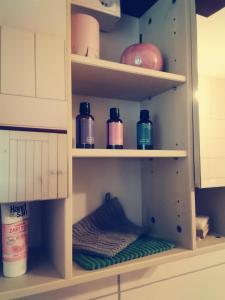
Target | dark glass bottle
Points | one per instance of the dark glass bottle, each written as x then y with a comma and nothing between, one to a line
114,130
85,127
144,131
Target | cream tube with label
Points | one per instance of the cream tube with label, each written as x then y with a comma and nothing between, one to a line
14,238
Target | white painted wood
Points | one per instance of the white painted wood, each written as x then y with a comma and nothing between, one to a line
21,170
13,166
45,170
53,166
55,211
172,128
4,169
191,286
31,162
37,169
88,291
50,67
120,81
211,137
32,112
17,62
98,153
62,166
169,270
28,136
35,16
29,170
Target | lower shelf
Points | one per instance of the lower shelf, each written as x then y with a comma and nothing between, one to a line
40,275
43,277
80,275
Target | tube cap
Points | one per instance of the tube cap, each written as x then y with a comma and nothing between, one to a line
144,114
85,108
114,113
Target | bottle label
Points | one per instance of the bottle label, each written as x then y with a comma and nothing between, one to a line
144,134
115,133
14,241
87,131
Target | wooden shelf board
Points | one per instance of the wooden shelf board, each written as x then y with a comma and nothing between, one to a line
127,153
211,241
40,276
80,275
103,78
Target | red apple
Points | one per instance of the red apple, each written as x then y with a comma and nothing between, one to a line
144,55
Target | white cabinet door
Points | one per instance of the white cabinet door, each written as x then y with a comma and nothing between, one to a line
207,284
62,166
33,166
4,166
17,62
50,67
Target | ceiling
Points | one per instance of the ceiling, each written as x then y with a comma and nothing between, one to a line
137,8
208,7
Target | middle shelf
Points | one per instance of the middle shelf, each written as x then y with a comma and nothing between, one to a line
103,78
127,153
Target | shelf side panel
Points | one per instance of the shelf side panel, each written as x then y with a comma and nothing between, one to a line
57,229
168,187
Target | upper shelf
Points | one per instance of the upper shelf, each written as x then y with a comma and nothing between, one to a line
103,78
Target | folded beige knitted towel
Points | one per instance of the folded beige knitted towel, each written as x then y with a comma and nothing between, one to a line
106,231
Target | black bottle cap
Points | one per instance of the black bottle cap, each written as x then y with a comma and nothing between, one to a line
85,108
144,114
114,113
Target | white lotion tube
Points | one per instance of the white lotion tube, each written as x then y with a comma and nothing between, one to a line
14,238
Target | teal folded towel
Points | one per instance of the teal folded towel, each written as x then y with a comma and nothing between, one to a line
143,246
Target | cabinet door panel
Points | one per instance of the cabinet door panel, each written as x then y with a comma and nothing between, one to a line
205,284
44,170
4,165
37,169
62,166
29,170
31,112
50,67
12,186
52,183
33,166
21,170
17,62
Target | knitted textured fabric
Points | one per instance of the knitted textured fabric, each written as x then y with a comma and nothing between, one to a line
144,246
106,231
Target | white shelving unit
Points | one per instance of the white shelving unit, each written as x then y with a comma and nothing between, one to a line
155,187
142,185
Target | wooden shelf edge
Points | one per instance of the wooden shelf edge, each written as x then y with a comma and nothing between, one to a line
114,66
212,241
127,153
82,276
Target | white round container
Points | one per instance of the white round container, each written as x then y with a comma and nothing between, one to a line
14,238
